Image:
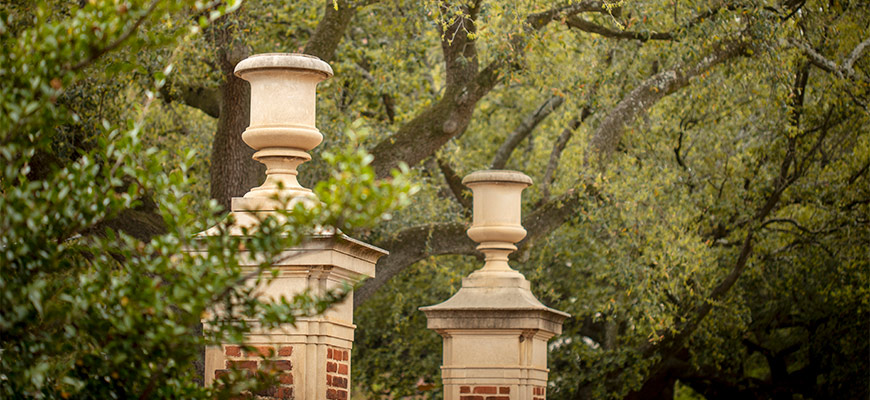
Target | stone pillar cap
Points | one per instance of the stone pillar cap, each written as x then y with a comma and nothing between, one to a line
283,60
497,175
494,308
496,290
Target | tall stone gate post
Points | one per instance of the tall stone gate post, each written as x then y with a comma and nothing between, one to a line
495,331
314,356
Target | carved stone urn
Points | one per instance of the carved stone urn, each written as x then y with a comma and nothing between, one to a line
282,128
497,222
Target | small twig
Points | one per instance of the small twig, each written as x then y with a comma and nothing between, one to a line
112,46
677,150
858,174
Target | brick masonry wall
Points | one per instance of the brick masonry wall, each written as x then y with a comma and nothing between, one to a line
271,359
337,373
539,393
484,392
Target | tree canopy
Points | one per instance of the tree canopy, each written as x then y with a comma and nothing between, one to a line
701,170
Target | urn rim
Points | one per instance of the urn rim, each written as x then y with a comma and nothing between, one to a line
293,61
497,176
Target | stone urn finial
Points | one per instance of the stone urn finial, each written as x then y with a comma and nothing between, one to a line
282,128
497,223
495,330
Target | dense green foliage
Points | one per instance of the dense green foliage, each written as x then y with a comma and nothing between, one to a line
86,309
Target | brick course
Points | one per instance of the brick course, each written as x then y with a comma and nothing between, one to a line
484,392
539,393
337,373
254,358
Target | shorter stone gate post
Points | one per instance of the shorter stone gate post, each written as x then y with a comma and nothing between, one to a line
495,330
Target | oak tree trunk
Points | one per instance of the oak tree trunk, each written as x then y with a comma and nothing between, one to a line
233,171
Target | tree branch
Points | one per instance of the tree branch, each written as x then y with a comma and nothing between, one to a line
843,71
789,172
855,54
552,215
606,137
454,182
389,105
331,28
556,153
448,117
118,41
587,26
206,99
541,19
576,22
411,245
524,129
416,243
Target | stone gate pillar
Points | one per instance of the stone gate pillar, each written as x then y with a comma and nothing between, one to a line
495,331
313,356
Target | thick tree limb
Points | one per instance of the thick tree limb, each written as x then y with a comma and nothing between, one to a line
541,19
587,26
606,137
428,131
233,171
206,99
843,71
855,54
454,182
449,116
525,128
331,28
578,23
552,215
412,245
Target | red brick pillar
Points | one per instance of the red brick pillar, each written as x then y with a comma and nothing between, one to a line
312,358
